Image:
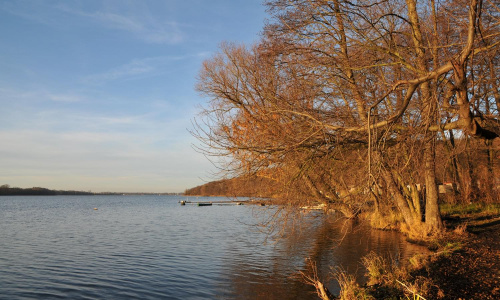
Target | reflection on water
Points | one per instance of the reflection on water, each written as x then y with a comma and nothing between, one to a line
327,241
153,248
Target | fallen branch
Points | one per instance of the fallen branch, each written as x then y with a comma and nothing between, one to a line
311,277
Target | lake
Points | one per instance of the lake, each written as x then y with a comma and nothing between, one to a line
151,247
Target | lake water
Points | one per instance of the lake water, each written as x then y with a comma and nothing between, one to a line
151,247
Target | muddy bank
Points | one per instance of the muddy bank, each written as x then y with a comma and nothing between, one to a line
464,267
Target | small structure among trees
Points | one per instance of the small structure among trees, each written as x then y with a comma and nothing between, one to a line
355,102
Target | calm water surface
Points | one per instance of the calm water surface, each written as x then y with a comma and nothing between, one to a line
150,247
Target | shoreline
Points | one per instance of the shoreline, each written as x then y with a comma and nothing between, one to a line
464,264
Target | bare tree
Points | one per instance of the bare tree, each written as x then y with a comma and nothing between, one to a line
346,101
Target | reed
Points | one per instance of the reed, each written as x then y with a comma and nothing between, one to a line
377,267
349,288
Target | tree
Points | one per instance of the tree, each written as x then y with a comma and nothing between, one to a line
338,96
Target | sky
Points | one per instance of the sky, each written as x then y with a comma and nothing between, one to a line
99,95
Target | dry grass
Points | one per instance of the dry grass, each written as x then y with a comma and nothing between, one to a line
389,220
418,261
377,268
383,272
390,281
349,288
460,230
415,289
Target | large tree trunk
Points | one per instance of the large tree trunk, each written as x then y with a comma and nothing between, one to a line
432,214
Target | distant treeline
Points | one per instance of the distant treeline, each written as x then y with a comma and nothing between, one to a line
6,190
235,187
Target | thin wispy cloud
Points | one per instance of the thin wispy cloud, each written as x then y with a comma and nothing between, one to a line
133,69
39,95
141,23
68,98
149,30
131,17
30,10
137,68
14,94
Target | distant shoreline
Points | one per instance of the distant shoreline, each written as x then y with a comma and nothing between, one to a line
6,190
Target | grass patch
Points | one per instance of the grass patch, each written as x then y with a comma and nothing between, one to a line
468,209
449,248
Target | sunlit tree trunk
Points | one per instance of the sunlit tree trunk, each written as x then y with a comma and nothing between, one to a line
432,214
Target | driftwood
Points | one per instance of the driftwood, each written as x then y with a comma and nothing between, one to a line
311,277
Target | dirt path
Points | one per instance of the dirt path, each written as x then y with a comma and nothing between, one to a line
472,272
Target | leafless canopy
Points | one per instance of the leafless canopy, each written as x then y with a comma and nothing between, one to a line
344,102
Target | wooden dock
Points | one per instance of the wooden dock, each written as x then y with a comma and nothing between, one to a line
210,203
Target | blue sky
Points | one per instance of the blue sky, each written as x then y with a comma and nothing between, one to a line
98,95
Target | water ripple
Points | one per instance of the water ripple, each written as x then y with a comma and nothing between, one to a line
153,248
